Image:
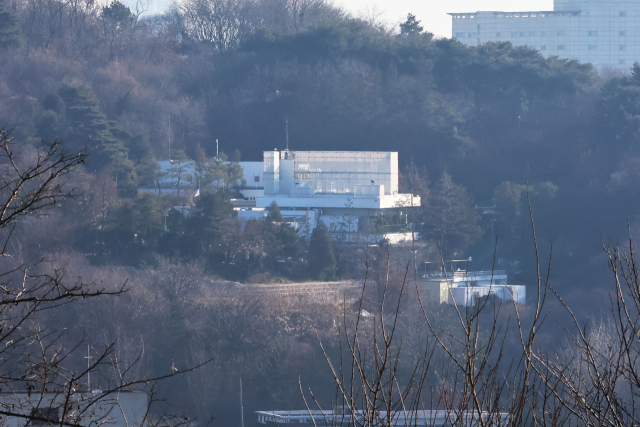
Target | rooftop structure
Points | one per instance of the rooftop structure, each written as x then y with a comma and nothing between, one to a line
421,418
115,409
350,191
605,33
464,288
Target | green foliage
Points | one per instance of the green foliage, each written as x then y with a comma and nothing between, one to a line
619,112
118,12
178,172
274,213
322,261
416,182
212,226
10,35
450,218
411,26
88,127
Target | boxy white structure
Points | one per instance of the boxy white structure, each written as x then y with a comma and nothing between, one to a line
344,189
605,33
117,409
464,288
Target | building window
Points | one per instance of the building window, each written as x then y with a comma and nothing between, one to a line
623,62
472,34
533,34
623,47
543,48
256,179
592,47
623,33
543,33
561,47
562,33
593,33
498,35
459,35
623,13
523,34
514,34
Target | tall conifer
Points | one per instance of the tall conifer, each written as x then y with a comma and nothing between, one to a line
322,261
9,29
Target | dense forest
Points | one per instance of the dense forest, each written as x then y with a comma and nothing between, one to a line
481,133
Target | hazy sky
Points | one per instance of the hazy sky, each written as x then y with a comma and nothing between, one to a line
433,13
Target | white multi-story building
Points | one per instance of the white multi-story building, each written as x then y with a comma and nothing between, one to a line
350,191
605,33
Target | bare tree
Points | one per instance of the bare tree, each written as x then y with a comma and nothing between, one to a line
459,372
597,377
35,356
221,22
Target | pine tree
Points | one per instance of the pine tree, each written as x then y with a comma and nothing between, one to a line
450,218
88,127
322,261
411,26
274,213
9,29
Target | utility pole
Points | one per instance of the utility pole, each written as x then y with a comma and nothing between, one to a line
89,367
287,133
241,406
169,138
217,149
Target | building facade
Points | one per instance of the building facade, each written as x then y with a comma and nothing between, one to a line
605,33
352,192
96,408
465,288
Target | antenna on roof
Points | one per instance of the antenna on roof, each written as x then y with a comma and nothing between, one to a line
287,129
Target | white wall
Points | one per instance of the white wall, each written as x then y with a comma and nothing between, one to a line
253,173
123,409
604,33
467,295
330,172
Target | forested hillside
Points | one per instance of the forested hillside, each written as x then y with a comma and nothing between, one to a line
479,131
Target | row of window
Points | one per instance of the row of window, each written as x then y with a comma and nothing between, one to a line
563,47
531,34
622,14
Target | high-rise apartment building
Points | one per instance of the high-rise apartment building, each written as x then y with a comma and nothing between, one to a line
605,33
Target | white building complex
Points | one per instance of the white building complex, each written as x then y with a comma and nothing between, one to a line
354,193
605,33
464,288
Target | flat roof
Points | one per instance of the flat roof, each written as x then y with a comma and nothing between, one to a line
548,12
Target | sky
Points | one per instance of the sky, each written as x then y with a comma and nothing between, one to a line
433,13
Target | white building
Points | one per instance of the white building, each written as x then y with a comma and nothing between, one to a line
464,288
605,33
399,418
109,409
253,175
350,191
173,178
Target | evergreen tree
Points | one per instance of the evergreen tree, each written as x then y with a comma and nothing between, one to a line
274,213
450,218
411,26
322,261
9,29
212,226
179,170
88,127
